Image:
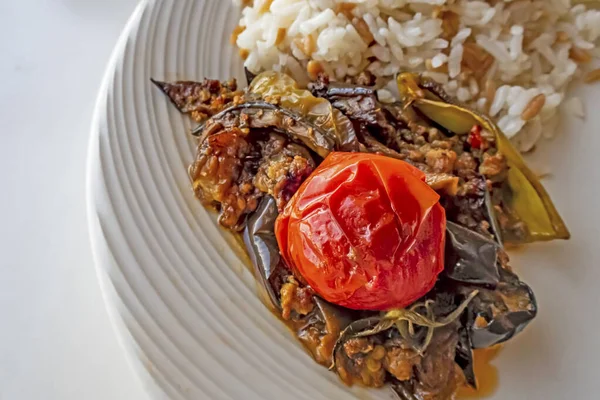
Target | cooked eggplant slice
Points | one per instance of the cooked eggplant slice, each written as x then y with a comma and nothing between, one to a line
234,169
498,315
402,342
222,176
320,329
263,115
201,99
249,76
259,238
376,360
492,217
280,89
470,257
437,376
464,355
356,329
504,305
446,298
403,390
361,106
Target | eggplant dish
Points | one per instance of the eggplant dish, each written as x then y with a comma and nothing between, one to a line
377,230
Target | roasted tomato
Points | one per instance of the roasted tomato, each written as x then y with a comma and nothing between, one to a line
365,232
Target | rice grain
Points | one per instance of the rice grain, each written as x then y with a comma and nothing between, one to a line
580,55
501,56
592,76
534,107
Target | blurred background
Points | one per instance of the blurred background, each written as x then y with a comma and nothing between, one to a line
56,340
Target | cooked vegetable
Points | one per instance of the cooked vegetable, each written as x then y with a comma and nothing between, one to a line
365,232
524,198
201,99
450,167
403,391
405,321
470,257
280,89
356,255
361,106
387,356
476,278
499,313
260,241
262,115
319,329
504,305
437,376
234,168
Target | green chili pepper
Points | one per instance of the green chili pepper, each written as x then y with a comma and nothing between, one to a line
524,197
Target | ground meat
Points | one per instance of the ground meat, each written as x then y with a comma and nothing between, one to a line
373,374
437,375
364,363
441,160
356,346
445,183
453,168
473,187
466,166
492,166
450,169
234,168
220,176
295,298
202,99
401,362
468,207
282,173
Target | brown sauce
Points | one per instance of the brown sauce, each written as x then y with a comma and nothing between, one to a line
321,348
485,373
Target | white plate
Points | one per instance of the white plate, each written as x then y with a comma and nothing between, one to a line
185,305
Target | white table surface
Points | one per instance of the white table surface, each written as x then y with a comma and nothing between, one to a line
56,340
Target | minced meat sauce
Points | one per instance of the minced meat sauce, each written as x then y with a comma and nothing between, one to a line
236,167
462,168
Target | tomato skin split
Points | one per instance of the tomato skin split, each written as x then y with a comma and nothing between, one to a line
365,232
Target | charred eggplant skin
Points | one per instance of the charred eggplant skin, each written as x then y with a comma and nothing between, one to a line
504,306
284,91
200,100
470,257
267,115
261,245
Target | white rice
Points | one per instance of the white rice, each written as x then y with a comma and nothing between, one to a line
531,43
